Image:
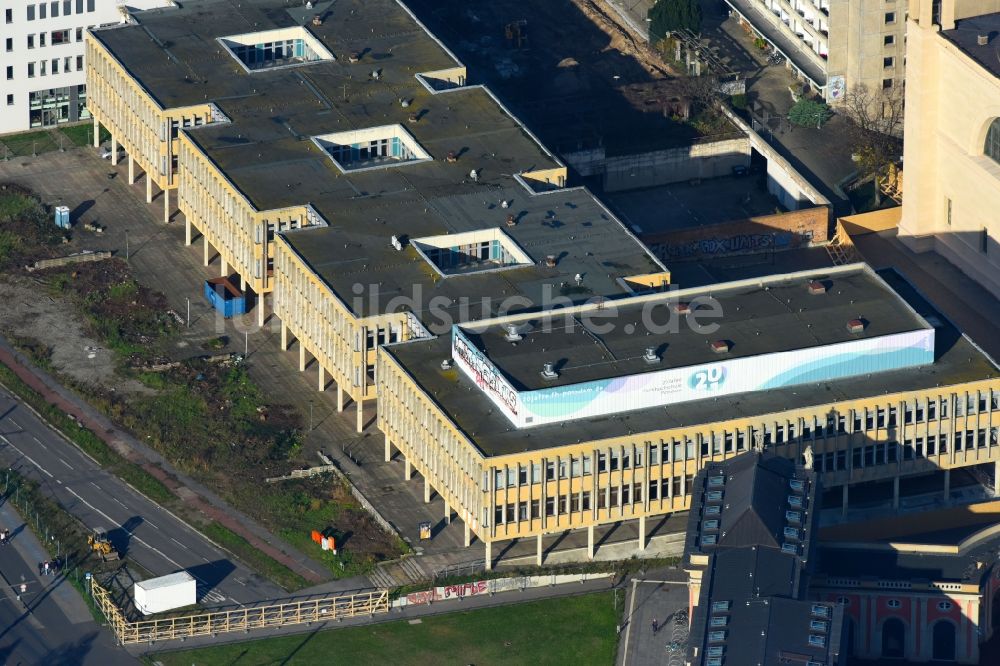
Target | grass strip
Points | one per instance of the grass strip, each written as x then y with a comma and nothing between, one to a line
250,554
579,630
87,440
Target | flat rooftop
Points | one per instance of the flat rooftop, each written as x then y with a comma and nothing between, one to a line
965,35
956,360
267,152
756,318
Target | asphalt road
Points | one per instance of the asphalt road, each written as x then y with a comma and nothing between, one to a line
50,623
140,529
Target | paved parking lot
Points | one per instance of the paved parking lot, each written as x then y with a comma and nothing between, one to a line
663,597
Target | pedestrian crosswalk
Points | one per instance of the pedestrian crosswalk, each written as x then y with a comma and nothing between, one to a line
401,572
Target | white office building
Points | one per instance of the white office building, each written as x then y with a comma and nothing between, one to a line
42,77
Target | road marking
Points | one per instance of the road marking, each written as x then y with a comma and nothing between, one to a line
39,442
95,485
119,501
130,533
29,458
178,542
628,623
65,463
11,419
150,523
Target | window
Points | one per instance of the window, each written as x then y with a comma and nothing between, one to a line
844,601
31,70
54,9
984,240
41,39
889,40
79,6
886,62
886,84
42,13
68,64
31,41
55,65
10,15
31,12
79,34
992,146
944,605
10,72
60,37
90,5
79,63
894,603
720,606
890,17
10,100
41,67
67,7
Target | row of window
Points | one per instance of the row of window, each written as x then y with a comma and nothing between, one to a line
52,9
55,38
884,453
896,603
53,66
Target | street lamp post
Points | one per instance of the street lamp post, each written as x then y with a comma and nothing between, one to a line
310,415
126,245
188,312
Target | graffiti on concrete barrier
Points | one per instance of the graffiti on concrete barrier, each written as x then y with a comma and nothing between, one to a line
726,245
462,590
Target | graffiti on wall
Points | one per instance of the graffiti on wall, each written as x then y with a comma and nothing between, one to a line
740,243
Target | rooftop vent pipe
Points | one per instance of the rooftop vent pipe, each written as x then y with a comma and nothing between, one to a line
511,333
720,346
651,356
983,40
816,287
856,326
446,364
548,372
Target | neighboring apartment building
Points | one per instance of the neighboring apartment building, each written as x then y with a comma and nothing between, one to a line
951,152
42,76
833,44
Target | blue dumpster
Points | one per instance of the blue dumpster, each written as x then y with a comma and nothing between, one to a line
225,297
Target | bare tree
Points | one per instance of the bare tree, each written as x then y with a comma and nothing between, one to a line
701,91
875,118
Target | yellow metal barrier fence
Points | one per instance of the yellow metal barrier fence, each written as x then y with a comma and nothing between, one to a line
322,609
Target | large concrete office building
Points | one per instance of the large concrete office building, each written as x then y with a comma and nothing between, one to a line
42,58
952,129
338,163
833,44
532,425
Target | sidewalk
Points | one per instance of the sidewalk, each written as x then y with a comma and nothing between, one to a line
190,492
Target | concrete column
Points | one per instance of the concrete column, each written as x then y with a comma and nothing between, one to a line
590,540
149,188
996,479
489,556
427,491
947,485
114,151
187,232
843,509
642,533
97,133
205,243
243,283
895,492
407,469
361,415
131,169
302,356
538,556
468,534
223,267
340,398
447,513
388,449
322,377
284,337
260,310
166,206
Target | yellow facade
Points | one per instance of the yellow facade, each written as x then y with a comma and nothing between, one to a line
648,475
953,188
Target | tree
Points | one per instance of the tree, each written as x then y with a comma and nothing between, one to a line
666,16
875,122
809,113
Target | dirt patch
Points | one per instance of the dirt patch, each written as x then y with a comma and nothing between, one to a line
47,328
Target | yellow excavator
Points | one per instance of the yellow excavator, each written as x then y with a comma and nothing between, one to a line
99,542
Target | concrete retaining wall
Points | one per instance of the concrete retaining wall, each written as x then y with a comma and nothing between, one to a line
492,586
